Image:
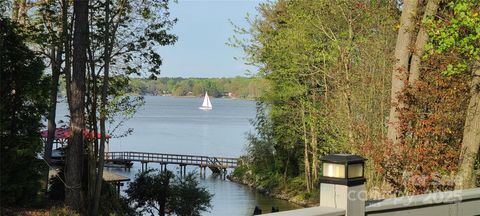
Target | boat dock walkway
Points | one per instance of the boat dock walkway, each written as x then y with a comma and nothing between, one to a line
215,164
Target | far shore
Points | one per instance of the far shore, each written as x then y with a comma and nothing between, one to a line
186,96
201,96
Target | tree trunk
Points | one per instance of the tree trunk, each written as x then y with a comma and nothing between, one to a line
347,62
74,160
92,124
66,45
23,12
422,38
161,211
306,160
314,152
400,68
285,172
15,8
103,109
92,150
56,61
471,134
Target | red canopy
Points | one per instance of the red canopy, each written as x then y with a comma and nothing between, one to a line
64,133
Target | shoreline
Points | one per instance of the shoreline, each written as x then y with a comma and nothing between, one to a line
274,194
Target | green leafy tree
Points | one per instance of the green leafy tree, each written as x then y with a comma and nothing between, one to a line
24,98
197,88
261,145
158,192
182,88
151,191
189,199
324,66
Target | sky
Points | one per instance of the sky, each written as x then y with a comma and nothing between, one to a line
203,29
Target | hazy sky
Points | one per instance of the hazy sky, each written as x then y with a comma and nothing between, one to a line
203,28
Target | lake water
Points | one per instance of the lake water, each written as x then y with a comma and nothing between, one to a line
176,125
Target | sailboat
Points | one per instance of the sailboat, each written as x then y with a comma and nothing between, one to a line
206,105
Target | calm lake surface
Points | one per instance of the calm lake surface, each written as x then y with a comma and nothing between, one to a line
176,125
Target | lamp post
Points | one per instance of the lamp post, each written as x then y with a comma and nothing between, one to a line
342,184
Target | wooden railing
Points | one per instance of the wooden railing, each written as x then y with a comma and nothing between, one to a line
194,160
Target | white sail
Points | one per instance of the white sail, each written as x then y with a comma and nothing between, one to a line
209,104
206,105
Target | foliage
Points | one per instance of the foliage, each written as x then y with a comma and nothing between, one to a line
151,191
432,122
60,211
325,67
260,147
327,92
138,29
459,33
477,168
188,198
135,30
154,191
432,129
112,203
24,96
123,39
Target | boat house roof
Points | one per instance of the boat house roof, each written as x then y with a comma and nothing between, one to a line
65,133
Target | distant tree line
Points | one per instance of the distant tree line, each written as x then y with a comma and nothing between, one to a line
239,87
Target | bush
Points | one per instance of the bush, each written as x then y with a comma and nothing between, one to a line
111,203
188,198
60,211
154,191
57,188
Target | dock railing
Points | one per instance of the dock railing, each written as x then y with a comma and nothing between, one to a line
194,160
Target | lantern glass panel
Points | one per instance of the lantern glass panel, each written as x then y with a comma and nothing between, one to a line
333,170
355,170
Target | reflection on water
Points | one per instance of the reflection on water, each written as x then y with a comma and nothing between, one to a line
177,126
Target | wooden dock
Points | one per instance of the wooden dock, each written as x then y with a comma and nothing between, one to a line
215,164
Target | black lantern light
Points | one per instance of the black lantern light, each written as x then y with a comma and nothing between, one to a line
343,169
